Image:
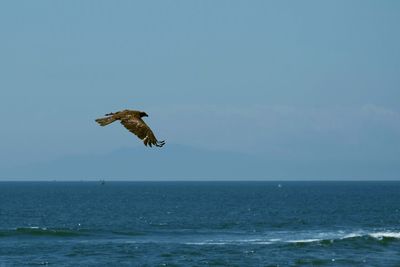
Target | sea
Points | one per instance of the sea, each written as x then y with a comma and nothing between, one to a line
234,223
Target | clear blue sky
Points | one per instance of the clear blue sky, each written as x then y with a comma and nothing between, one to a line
281,79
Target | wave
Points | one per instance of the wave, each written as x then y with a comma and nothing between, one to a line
41,231
212,237
128,233
342,236
36,231
381,235
304,240
230,242
307,238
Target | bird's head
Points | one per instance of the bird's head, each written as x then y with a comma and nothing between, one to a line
143,114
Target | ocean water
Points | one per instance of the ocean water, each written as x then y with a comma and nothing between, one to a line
200,224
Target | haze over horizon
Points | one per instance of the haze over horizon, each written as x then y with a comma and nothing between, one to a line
258,84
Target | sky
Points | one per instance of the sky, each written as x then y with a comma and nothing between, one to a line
288,80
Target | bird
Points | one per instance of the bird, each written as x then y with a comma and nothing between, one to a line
132,120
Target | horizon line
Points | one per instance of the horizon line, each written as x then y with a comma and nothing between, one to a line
200,180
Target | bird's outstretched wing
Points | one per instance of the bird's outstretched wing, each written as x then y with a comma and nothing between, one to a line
138,127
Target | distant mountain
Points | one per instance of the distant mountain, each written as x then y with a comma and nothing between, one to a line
175,162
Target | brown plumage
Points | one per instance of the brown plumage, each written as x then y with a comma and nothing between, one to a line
132,120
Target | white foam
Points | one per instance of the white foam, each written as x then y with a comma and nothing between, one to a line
275,239
352,235
267,238
380,235
231,242
205,243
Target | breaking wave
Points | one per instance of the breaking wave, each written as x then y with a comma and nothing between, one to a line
308,238
210,238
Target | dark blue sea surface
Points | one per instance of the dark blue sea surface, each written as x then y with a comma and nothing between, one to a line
200,224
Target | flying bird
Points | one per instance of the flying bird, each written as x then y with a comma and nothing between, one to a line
132,120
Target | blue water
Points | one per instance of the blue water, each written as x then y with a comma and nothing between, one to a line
200,224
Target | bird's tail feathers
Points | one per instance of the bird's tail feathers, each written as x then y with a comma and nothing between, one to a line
105,121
